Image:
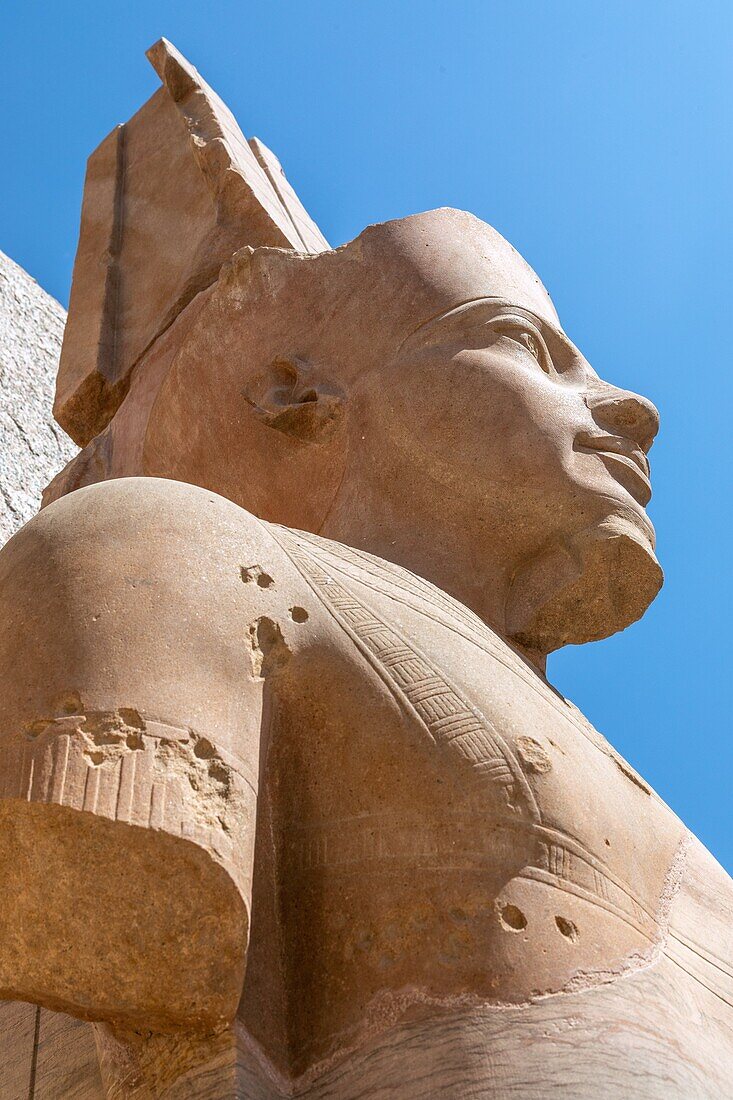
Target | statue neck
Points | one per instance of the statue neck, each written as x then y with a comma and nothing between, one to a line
439,553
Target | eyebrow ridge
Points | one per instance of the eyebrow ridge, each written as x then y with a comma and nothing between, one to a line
436,317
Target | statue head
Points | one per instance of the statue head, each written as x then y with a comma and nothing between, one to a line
413,394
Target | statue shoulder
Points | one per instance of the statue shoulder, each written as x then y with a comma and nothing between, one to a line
135,507
141,621
182,537
149,594
132,710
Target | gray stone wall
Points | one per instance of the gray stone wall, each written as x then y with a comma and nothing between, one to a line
32,446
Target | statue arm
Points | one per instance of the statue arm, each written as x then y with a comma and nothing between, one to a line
129,754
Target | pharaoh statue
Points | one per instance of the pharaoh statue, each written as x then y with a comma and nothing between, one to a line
289,807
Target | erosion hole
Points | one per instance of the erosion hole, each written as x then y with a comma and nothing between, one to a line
250,573
269,649
512,917
568,928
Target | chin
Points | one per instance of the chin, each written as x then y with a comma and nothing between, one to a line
586,586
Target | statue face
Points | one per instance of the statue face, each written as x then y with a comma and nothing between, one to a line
497,405
500,427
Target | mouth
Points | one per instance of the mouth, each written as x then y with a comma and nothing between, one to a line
623,459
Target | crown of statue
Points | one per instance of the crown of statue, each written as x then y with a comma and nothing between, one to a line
168,198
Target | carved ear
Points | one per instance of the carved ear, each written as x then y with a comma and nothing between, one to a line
292,397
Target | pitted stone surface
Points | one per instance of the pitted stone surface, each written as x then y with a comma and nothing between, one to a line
32,446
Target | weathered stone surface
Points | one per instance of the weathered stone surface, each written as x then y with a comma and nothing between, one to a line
169,196
160,765
32,446
273,692
46,1054
307,231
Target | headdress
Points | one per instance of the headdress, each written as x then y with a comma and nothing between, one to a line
169,196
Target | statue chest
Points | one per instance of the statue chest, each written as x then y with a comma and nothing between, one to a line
444,821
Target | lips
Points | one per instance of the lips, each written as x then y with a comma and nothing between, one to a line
623,459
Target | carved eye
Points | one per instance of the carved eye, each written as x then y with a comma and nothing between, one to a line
529,341
518,331
522,332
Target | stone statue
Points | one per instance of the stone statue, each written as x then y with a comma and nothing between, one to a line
289,807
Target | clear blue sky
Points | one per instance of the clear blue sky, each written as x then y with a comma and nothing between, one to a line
594,134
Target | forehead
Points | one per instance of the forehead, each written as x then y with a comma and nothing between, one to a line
440,260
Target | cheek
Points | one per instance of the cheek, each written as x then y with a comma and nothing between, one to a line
476,421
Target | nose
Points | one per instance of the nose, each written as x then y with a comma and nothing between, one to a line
623,412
